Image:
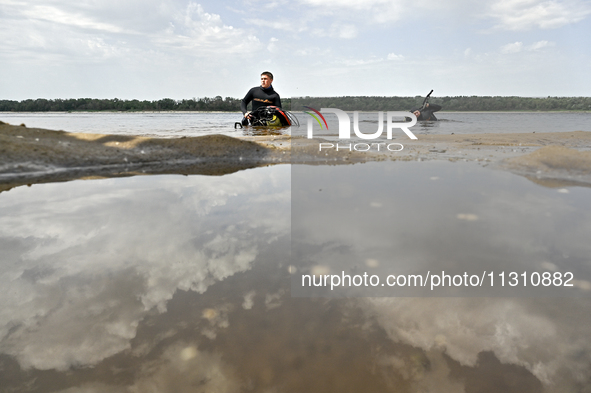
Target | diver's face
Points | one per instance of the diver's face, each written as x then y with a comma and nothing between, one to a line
417,113
265,81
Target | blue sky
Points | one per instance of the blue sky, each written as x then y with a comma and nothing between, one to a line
152,49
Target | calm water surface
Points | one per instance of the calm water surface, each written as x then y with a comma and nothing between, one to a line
183,283
166,124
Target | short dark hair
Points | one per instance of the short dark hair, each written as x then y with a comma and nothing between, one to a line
268,74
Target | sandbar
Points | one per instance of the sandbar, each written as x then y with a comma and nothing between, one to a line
34,155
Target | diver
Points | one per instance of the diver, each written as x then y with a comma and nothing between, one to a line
261,96
426,111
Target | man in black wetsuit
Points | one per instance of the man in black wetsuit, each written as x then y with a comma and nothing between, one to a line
262,95
426,113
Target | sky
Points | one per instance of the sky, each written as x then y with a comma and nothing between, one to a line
154,49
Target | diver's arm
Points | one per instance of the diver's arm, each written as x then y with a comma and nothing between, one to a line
434,107
245,101
278,101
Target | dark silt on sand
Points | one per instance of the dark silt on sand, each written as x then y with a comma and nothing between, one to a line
31,155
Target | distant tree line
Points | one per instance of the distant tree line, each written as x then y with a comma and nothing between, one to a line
228,104
92,104
459,103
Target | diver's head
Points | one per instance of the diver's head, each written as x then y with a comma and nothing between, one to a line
266,79
417,113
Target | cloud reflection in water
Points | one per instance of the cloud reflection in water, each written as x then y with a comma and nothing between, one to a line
88,259
175,284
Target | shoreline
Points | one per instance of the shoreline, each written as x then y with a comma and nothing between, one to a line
34,155
298,111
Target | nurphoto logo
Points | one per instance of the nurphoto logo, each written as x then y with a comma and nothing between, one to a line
345,128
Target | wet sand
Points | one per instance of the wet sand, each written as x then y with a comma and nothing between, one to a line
33,155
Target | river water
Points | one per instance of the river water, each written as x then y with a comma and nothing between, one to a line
194,283
185,283
167,124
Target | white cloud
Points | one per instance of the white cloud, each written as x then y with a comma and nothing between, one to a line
381,11
281,24
311,51
56,15
355,4
346,31
336,30
539,45
82,32
517,47
195,29
272,46
120,48
361,62
394,56
543,14
512,48
510,14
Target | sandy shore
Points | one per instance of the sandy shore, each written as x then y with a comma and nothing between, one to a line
32,155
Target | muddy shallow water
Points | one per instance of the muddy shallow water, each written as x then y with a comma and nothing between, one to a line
183,283
437,219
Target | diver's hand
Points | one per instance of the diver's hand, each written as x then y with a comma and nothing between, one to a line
247,115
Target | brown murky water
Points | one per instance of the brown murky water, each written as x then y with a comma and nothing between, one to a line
183,284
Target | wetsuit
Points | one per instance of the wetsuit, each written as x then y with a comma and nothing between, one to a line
428,112
260,97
